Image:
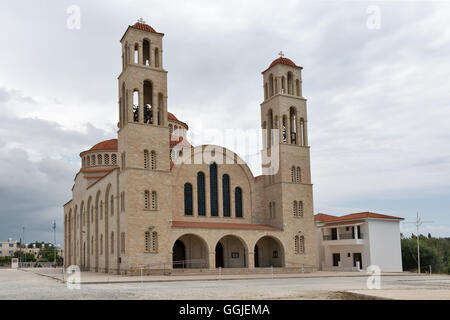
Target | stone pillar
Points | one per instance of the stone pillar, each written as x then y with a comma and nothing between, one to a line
251,260
212,260
141,105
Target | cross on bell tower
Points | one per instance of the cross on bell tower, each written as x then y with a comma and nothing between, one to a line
281,54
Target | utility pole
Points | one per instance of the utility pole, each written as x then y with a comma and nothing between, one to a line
418,222
54,242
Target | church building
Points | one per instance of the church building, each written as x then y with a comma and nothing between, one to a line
150,200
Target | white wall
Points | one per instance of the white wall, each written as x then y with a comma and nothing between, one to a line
385,247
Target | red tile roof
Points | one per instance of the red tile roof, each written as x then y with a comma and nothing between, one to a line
281,60
322,217
105,145
143,27
221,225
172,117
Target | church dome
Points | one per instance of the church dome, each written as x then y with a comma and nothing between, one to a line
282,60
143,27
105,145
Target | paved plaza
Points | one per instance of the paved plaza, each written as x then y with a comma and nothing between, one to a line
19,284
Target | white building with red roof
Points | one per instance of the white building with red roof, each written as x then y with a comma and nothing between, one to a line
355,241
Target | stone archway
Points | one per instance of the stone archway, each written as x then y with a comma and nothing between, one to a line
269,252
231,252
190,251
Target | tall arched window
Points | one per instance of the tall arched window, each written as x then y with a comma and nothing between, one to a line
146,52
265,91
154,200
213,189
145,159
294,208
101,244
106,159
296,244
136,106
136,53
93,160
299,175
88,161
153,159
147,241
99,158
188,199
303,132
300,209
147,199
290,83
238,202
269,128
149,115
293,174
114,159
297,87
226,195
112,242
112,205
201,197
92,245
293,125
301,247
154,241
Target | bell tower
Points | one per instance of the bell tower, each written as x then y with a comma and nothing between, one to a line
288,191
143,147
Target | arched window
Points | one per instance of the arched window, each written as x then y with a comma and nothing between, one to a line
301,247
101,244
145,159
300,209
283,84
154,200
290,83
296,244
156,58
93,160
149,115
299,175
226,195
154,241
88,161
238,202
293,174
136,106
112,205
146,52
112,242
293,125
265,91
147,199
106,159
213,189
153,159
122,242
114,159
294,208
136,53
92,245
99,159
269,128
188,199
201,197
297,87
101,209
160,108
303,132
147,241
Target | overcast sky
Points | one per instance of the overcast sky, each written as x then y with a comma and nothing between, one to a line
378,98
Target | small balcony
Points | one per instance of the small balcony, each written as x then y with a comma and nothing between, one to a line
343,236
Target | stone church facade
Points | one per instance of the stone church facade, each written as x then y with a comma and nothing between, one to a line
149,199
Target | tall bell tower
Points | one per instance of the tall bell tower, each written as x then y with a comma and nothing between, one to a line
288,192
143,147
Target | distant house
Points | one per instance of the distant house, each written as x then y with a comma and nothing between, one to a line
355,241
7,248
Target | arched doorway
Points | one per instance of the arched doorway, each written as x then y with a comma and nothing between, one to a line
190,251
219,255
231,252
269,252
179,254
